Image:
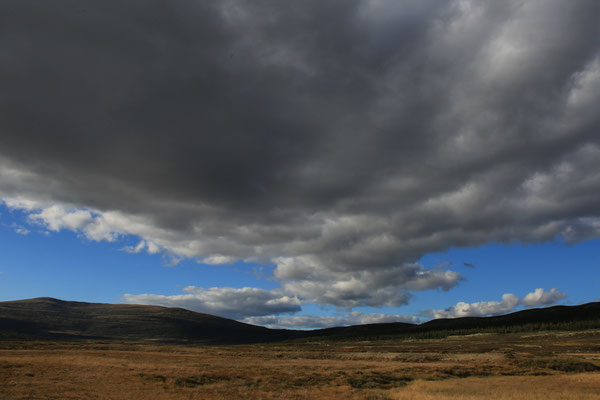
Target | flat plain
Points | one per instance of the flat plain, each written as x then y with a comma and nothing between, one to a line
539,365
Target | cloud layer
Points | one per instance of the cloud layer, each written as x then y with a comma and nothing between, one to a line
226,302
263,307
339,140
259,307
318,322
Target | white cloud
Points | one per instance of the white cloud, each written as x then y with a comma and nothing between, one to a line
149,246
137,248
56,217
317,322
218,259
479,309
21,230
509,303
541,297
224,301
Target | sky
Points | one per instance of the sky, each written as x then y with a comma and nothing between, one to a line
302,164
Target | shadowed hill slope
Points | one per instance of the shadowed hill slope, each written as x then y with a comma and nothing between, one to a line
51,319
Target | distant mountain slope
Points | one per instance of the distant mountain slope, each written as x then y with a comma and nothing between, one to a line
539,316
583,316
51,319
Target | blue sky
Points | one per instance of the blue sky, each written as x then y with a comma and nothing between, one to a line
302,164
68,266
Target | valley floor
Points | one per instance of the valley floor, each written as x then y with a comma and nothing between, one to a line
545,365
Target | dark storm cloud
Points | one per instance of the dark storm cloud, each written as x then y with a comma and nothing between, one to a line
342,140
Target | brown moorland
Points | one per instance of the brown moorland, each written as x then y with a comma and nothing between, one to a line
542,365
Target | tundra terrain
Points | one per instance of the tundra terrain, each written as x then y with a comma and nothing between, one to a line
534,365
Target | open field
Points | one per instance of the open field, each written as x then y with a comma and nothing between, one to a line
545,365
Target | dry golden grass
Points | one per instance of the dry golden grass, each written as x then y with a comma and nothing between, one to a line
583,386
553,366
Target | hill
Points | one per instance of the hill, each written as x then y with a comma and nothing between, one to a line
51,319
566,318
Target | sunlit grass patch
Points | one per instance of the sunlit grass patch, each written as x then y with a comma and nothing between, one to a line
562,387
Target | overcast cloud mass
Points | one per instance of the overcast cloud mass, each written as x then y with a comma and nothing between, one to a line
338,140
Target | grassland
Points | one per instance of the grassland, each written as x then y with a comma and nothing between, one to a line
544,365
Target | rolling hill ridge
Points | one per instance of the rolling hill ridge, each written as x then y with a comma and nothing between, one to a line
52,319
